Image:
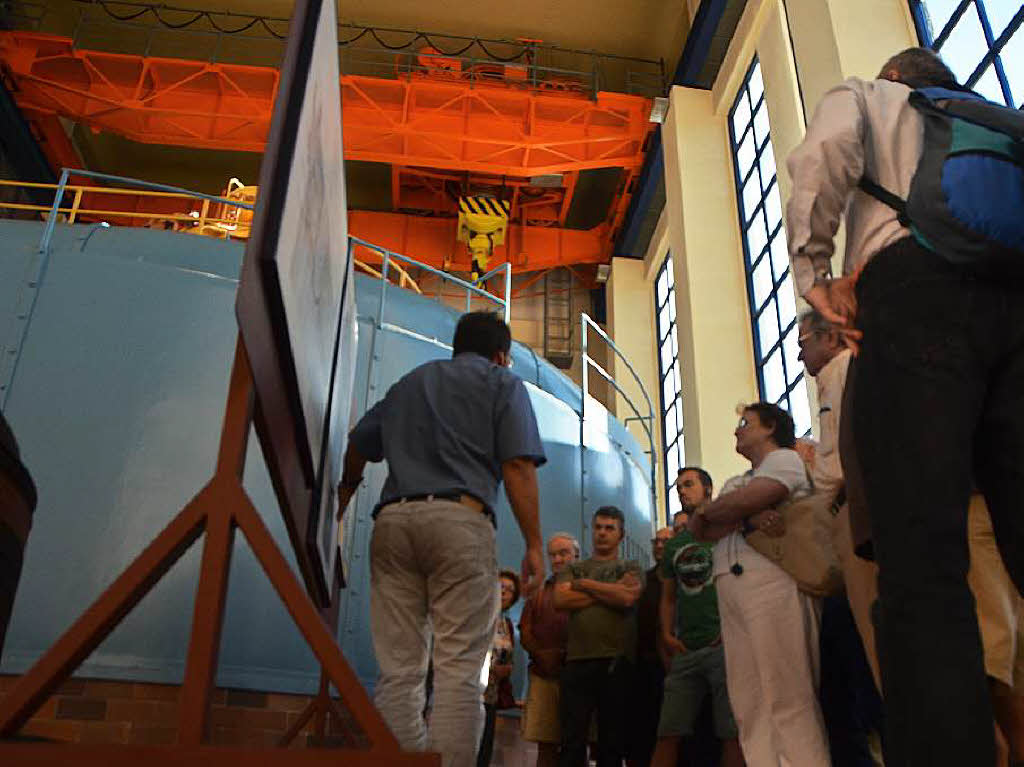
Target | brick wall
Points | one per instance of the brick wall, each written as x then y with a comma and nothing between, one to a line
95,711
98,711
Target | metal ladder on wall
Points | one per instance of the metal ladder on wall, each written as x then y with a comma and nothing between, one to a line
558,318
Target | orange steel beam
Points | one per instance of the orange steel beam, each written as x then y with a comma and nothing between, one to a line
54,141
411,120
432,241
534,278
422,189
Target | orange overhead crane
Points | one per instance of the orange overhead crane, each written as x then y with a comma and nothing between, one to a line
414,119
417,119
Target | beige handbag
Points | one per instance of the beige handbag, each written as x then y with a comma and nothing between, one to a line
805,549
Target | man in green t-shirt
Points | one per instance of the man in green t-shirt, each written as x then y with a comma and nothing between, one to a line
691,632
599,593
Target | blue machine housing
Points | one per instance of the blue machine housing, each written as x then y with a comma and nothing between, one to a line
117,402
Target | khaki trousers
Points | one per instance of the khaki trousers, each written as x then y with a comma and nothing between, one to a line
433,571
861,580
1000,608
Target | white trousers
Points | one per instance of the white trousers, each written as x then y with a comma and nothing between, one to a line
433,570
772,661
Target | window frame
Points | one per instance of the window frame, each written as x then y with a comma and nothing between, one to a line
664,336
996,45
750,264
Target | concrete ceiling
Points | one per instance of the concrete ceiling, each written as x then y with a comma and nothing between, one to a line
649,29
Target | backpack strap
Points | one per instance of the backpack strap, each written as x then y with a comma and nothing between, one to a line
886,197
934,94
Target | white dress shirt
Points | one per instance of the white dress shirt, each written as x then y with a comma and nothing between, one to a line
859,128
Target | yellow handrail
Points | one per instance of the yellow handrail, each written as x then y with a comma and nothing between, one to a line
73,211
101,189
403,275
204,223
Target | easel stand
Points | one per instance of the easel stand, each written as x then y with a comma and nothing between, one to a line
220,508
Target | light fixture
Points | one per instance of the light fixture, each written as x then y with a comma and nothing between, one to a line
658,110
91,232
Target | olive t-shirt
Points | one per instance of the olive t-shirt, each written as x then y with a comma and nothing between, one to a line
688,563
601,631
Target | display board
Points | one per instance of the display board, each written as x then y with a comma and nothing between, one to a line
295,276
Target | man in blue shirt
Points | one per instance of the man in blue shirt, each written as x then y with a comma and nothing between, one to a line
451,432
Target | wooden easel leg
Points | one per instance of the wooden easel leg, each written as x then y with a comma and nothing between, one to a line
86,634
320,710
207,621
313,629
295,729
211,505
225,496
321,707
320,714
217,509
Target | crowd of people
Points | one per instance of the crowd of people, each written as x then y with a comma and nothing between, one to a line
721,653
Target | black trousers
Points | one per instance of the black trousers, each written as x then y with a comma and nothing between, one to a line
483,756
850,703
11,555
586,686
938,402
646,688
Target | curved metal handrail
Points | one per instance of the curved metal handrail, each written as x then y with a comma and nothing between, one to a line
647,421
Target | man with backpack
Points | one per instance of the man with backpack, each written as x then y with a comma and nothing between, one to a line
930,178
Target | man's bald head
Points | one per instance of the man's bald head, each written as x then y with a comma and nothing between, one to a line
662,537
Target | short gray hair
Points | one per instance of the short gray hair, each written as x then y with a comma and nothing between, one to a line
567,536
818,324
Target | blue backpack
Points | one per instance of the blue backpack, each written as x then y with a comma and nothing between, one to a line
966,199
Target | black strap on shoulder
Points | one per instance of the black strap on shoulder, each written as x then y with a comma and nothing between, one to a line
886,197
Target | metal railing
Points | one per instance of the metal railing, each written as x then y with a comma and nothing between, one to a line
200,218
647,421
390,261
471,288
53,213
29,293
162,189
200,221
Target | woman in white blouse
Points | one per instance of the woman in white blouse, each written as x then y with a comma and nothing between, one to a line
769,627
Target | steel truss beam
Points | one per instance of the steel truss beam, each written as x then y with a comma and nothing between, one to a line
414,119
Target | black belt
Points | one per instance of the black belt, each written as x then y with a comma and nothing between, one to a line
449,496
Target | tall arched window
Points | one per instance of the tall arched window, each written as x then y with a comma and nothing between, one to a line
670,380
980,40
780,375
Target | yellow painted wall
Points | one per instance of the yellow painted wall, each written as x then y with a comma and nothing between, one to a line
632,326
825,41
836,39
711,299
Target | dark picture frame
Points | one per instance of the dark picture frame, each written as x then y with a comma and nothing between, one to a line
295,278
